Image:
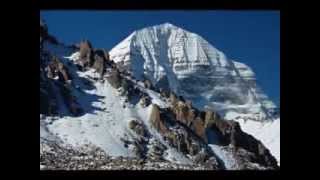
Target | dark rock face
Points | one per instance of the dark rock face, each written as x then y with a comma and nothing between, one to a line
48,103
44,34
250,148
50,68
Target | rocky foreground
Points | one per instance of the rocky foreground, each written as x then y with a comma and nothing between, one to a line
57,157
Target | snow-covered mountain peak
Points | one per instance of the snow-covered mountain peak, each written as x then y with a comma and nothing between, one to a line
189,65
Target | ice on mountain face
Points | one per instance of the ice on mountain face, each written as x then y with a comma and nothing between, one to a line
194,69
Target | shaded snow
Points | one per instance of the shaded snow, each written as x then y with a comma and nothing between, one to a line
106,119
268,133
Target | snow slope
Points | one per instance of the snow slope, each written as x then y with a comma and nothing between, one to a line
106,119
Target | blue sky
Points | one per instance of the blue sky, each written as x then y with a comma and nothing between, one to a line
251,37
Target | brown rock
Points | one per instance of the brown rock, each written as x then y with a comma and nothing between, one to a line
85,48
86,53
156,121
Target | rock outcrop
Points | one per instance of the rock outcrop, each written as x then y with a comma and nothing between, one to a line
86,54
156,121
99,62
